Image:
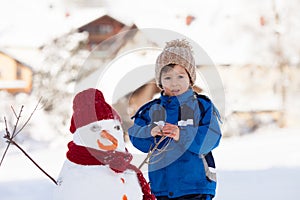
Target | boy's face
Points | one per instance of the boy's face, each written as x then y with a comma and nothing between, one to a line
175,81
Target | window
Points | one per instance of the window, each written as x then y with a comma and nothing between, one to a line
19,72
105,29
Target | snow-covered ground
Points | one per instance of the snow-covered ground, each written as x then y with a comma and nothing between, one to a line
262,165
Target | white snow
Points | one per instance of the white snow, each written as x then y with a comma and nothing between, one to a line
94,182
229,34
12,84
263,165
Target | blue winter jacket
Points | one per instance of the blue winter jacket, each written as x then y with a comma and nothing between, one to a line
178,170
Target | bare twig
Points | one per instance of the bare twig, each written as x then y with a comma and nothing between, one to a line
164,147
152,150
17,122
23,151
159,151
7,136
6,128
6,149
28,118
14,112
10,137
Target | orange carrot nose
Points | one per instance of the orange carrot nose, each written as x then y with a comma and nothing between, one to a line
109,137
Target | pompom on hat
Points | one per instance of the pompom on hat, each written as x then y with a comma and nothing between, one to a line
177,52
90,106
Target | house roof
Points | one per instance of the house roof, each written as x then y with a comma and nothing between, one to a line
35,27
23,36
15,57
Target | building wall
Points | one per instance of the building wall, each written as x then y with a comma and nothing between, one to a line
8,68
14,76
101,29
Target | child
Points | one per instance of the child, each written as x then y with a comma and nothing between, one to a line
179,168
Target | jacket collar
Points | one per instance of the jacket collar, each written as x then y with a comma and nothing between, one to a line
180,99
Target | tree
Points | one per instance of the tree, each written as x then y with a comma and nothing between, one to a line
55,79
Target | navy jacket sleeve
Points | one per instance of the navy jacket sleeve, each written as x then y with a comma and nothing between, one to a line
140,132
203,137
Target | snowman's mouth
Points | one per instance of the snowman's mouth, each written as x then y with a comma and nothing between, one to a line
112,141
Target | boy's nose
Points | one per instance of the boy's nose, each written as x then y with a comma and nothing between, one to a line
174,82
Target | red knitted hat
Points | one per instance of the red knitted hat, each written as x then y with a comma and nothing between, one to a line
90,106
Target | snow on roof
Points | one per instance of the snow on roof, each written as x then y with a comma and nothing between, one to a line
30,57
38,22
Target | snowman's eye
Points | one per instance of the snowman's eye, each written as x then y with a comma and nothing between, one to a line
95,128
117,127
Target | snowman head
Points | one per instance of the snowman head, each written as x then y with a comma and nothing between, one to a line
102,135
95,123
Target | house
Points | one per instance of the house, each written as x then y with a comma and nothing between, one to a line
102,30
15,76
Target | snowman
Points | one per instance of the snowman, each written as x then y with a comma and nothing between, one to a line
98,164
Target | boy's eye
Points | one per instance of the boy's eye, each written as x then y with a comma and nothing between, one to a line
180,76
167,78
117,127
95,128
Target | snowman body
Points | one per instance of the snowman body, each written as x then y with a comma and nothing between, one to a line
95,182
77,182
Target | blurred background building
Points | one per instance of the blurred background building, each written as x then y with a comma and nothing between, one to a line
52,50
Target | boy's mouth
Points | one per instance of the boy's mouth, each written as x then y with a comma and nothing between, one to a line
175,91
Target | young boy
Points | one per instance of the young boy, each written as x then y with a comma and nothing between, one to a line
179,168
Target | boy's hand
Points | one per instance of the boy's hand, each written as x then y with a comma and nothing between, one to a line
172,131
157,130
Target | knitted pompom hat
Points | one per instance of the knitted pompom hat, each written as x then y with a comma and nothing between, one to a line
177,52
90,106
